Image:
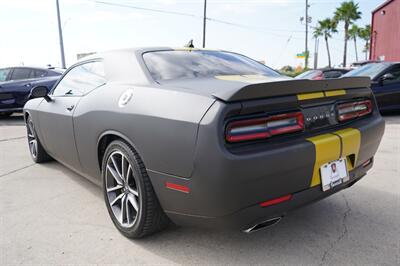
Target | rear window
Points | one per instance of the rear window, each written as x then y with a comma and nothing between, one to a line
309,74
169,65
371,70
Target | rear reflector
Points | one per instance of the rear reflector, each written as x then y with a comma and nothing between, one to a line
177,187
276,201
265,127
352,110
367,162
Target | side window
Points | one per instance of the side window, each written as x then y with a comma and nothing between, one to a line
81,80
396,74
21,73
38,73
4,73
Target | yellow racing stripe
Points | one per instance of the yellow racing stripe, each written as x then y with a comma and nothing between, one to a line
320,94
309,96
351,140
335,93
327,149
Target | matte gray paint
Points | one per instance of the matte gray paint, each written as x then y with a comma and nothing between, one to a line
178,130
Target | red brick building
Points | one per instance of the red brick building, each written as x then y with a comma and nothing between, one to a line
385,32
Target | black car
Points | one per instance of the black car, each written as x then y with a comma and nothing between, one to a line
326,73
385,84
16,84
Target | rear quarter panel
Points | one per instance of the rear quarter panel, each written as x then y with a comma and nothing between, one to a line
161,124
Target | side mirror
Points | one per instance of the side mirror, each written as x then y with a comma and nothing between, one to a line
387,76
40,92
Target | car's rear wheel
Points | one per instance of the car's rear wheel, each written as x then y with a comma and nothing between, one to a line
38,154
5,114
128,193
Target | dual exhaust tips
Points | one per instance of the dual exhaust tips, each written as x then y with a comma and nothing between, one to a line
262,225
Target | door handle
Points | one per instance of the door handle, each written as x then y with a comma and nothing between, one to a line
71,108
28,85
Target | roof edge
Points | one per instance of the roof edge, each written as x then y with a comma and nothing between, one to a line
382,6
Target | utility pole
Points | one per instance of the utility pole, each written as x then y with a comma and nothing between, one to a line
204,23
60,36
316,53
306,51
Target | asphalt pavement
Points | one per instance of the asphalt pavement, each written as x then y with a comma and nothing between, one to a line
50,215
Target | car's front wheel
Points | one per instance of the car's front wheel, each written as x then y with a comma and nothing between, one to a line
128,193
38,154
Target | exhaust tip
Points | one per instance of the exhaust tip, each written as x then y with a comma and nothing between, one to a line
262,225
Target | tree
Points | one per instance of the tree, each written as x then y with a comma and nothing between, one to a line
365,34
354,33
347,13
325,28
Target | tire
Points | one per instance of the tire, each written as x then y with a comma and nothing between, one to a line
124,173
38,154
5,114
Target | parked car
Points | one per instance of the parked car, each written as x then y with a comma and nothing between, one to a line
16,84
203,137
326,73
385,77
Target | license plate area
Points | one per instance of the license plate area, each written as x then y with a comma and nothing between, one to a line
333,173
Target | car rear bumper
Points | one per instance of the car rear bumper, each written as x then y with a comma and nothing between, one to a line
226,188
250,216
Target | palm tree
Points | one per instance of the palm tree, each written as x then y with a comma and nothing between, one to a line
365,34
347,13
354,33
325,28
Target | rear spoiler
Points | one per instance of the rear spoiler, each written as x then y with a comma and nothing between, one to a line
290,87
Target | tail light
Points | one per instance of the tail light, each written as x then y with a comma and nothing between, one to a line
265,127
352,110
319,76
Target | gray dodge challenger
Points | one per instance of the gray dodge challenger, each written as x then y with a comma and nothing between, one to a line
203,137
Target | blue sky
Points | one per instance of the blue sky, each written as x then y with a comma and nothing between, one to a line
272,30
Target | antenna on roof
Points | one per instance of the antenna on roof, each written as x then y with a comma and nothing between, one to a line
190,44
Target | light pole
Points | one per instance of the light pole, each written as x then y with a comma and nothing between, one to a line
60,36
204,23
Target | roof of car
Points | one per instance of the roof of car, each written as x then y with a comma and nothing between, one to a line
143,50
35,67
333,69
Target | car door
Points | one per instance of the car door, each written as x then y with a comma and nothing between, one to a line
16,88
56,116
387,91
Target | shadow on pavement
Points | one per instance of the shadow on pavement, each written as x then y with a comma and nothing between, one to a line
14,120
358,225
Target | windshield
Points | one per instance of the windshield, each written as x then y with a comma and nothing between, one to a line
369,70
168,65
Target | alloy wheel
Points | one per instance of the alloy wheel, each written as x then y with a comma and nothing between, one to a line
122,189
33,145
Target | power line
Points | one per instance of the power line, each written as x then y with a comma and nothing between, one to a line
192,15
145,8
269,31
